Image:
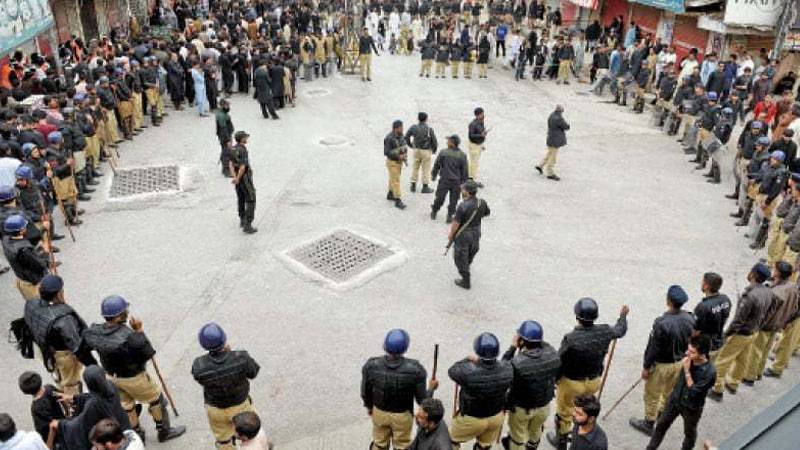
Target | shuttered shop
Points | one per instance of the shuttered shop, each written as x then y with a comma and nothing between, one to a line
686,36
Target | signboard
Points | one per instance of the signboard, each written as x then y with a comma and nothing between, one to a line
591,4
675,6
21,21
753,13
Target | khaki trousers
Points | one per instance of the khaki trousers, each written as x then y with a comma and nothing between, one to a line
138,115
139,388
482,70
526,425
566,392
790,256
68,370
732,357
759,351
776,242
549,161
422,160
365,61
475,151
426,67
658,387
28,290
454,68
93,150
394,168
563,70
221,422
65,188
468,69
786,345
484,430
391,429
111,126
440,69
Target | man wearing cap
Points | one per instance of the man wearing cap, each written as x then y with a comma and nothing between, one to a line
708,119
133,79
477,137
451,167
150,82
108,103
366,45
750,178
772,182
688,397
225,135
786,144
712,312
732,359
396,153
75,144
556,138
389,386
465,231
746,148
85,120
31,199
63,181
225,375
665,348
124,352
484,382
787,321
536,366
243,181
124,97
422,139
57,329
791,249
582,353
28,265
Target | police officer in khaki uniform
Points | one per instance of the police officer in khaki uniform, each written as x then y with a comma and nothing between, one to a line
477,137
396,153
389,386
484,383
582,353
422,139
56,329
666,346
536,368
28,264
224,375
124,352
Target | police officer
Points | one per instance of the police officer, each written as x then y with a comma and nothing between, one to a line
149,77
758,161
63,166
243,180
28,265
124,351
31,198
712,312
224,134
56,329
477,137
451,165
582,353
668,341
366,45
389,386
422,139
427,52
224,375
484,383
465,231
772,182
750,311
722,131
536,368
396,153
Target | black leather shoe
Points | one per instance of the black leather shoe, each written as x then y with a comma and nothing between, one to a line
643,425
716,396
462,283
732,196
553,177
172,433
399,204
426,189
738,214
89,190
92,182
771,373
249,229
390,196
84,197
539,169
57,237
433,215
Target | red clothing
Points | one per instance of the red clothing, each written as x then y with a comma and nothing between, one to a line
46,129
771,111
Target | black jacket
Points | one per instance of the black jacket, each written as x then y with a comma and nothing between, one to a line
535,374
225,377
710,316
583,350
556,130
483,386
392,384
694,397
669,338
451,166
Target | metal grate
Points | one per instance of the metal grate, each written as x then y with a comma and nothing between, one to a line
341,255
145,180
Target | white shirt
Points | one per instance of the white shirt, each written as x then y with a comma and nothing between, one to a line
24,440
7,168
257,443
687,67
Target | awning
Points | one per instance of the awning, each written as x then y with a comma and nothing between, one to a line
675,6
747,13
716,25
591,4
700,3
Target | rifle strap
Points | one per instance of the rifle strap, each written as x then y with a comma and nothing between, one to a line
478,203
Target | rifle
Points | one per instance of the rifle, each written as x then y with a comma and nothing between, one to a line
164,387
46,237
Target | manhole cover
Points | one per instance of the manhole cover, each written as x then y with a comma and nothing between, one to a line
343,259
318,92
145,180
333,141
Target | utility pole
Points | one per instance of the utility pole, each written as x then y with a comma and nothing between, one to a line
782,27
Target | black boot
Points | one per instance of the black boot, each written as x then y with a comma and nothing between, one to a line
735,194
72,215
413,186
463,283
738,214
761,237
745,216
249,228
390,196
399,204
433,214
426,189
643,425
165,430
717,174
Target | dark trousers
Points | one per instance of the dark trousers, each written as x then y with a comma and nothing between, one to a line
453,188
224,158
691,418
498,45
267,109
466,247
246,201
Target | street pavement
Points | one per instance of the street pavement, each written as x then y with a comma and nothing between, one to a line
629,218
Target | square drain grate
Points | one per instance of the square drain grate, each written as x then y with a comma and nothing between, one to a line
341,255
145,180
